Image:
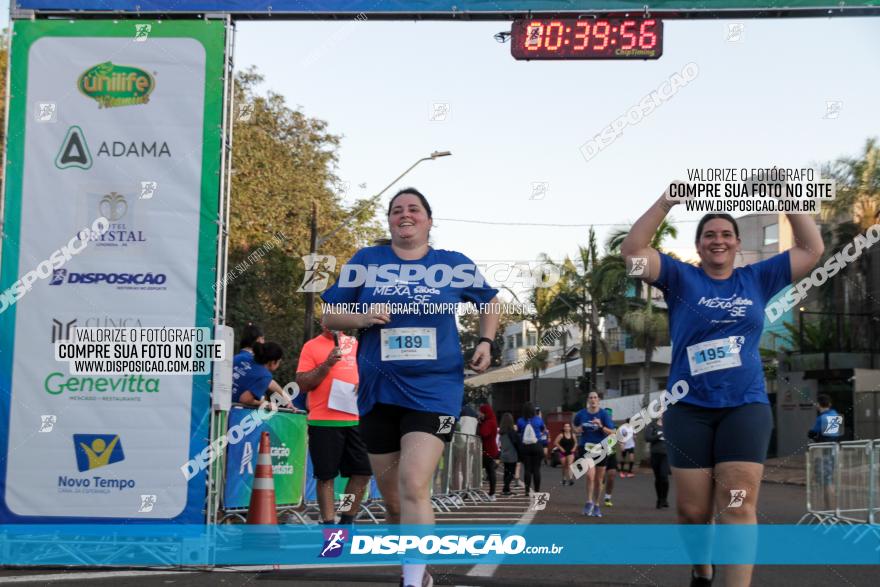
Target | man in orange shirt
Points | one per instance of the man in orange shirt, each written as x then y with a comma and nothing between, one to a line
327,370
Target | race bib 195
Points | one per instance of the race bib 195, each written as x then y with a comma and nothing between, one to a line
711,355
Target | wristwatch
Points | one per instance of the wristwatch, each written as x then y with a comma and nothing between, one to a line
487,339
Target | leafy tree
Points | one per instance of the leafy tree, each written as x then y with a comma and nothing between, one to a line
284,164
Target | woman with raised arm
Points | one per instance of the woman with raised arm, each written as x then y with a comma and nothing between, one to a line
410,364
717,435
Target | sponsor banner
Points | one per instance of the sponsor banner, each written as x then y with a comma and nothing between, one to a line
102,125
287,432
412,7
537,544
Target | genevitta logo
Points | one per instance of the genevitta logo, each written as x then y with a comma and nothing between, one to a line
81,387
138,281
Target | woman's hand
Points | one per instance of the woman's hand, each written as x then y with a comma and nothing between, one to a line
380,317
482,357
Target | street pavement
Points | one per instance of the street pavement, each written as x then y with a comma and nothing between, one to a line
779,503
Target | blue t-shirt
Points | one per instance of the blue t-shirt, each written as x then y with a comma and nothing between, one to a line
828,426
376,275
727,315
248,376
591,432
537,424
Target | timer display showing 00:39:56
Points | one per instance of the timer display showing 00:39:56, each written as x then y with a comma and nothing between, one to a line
569,38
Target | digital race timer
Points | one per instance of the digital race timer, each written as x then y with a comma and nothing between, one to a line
587,38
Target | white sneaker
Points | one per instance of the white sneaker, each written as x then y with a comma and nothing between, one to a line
492,498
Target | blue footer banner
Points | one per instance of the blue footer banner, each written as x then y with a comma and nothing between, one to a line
180,545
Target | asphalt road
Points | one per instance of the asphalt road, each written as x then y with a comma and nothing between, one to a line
633,504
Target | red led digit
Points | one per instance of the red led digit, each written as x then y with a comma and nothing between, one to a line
647,39
584,36
550,33
629,36
601,35
534,32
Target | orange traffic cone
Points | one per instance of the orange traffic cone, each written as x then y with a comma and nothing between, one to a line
262,507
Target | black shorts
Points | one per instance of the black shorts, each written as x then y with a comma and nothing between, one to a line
611,462
385,425
699,438
628,451
337,450
581,453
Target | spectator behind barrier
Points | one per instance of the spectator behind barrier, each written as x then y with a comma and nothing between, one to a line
488,431
829,424
252,381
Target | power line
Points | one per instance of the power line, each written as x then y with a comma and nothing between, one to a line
550,225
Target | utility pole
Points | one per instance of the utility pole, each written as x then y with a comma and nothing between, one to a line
309,320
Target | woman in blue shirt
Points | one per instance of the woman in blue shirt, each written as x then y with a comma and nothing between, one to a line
531,428
409,362
717,435
251,378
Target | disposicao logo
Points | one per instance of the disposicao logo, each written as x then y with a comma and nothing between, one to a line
334,540
97,450
116,85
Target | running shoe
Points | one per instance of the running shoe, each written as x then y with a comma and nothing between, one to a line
588,508
701,581
427,581
597,513
492,498
608,502
622,475
506,494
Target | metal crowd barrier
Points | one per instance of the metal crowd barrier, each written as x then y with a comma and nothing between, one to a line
459,476
843,479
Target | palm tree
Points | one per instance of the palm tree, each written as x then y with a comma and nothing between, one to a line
858,187
588,290
649,330
854,209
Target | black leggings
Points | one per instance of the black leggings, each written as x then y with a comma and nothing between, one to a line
661,475
489,466
533,454
509,470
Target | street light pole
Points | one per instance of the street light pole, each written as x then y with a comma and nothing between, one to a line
316,241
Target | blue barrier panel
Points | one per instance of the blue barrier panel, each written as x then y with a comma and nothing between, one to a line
447,544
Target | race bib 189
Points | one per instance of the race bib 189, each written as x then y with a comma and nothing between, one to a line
711,355
409,344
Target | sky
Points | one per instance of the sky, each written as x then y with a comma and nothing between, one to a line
759,99
756,102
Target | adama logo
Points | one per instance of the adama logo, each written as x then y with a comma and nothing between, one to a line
116,85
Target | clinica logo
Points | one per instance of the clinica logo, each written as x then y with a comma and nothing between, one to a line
116,85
